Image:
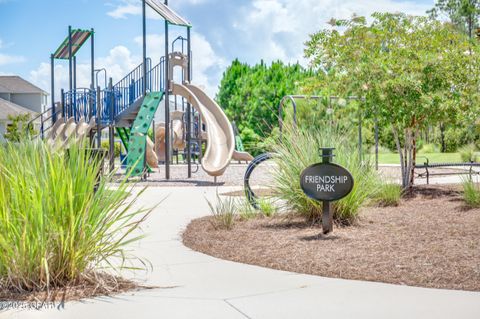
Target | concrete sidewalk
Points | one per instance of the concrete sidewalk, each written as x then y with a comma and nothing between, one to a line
194,285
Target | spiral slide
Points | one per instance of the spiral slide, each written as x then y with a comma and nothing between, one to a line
220,138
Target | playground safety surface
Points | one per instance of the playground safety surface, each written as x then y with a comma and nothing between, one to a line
233,176
429,240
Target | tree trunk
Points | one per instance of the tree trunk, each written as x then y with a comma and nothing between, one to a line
442,138
400,153
408,157
414,134
470,29
414,157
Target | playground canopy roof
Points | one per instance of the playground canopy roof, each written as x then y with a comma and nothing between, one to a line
168,14
78,39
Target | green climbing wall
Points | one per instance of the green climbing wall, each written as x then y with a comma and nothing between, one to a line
137,142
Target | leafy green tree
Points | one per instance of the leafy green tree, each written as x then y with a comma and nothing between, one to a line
463,14
413,71
250,96
18,128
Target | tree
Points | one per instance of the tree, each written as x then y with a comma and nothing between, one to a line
463,14
250,96
18,129
413,71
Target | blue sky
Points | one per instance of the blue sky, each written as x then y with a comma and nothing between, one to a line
223,30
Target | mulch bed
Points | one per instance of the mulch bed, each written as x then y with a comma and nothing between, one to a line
93,285
430,240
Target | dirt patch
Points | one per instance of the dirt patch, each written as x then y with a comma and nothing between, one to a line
93,285
430,240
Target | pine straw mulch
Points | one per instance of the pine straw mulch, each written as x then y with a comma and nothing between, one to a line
88,286
430,240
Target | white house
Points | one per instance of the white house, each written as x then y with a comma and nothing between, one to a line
18,96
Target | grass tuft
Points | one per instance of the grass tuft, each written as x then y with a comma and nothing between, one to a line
388,195
224,212
266,207
54,229
246,211
468,153
471,193
429,148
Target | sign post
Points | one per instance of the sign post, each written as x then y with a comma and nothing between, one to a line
326,182
327,215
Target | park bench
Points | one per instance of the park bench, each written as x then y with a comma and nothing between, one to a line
428,166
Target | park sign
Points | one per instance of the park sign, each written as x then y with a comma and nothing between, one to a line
326,182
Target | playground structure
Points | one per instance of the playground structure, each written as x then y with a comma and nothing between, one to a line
128,108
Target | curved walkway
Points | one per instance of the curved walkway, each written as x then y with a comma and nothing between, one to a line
194,285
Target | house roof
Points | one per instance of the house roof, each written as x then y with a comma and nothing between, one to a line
8,108
15,84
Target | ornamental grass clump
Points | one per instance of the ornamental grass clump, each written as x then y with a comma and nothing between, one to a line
389,194
468,153
299,149
224,212
471,193
55,231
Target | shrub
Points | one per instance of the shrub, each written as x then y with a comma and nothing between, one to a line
430,148
18,128
299,149
54,229
224,212
116,147
467,153
389,194
381,150
456,136
471,193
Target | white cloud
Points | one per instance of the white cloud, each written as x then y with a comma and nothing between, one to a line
118,63
278,29
6,59
122,11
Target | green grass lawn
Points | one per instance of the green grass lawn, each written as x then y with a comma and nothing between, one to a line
393,158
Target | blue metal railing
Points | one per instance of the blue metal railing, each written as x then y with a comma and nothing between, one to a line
130,88
84,102
155,77
79,103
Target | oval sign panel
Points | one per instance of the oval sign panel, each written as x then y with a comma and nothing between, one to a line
326,181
